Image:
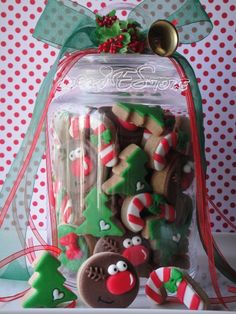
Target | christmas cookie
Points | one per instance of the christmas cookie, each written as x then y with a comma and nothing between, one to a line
132,246
75,249
170,281
182,127
100,219
47,285
107,280
127,133
167,181
167,238
184,210
187,174
150,118
129,175
102,135
136,208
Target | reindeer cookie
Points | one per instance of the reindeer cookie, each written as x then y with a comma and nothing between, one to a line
132,246
107,280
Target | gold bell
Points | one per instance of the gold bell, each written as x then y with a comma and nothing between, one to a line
163,38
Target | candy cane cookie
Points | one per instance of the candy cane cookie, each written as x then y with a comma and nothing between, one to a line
171,281
158,148
102,135
134,207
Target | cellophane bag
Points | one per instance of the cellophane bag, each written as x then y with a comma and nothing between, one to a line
120,133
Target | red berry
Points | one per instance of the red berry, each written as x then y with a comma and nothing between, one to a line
121,37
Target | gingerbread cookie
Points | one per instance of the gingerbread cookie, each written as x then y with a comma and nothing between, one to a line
145,116
47,285
132,246
99,220
107,280
167,181
170,281
129,175
75,249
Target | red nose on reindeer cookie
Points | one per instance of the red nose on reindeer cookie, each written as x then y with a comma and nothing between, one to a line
137,255
107,280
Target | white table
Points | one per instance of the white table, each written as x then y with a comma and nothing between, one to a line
141,305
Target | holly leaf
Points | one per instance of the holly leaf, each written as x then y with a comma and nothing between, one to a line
123,24
112,13
126,39
123,50
104,33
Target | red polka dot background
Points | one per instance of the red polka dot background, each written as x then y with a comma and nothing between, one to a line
26,61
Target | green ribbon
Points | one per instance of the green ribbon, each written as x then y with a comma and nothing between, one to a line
70,26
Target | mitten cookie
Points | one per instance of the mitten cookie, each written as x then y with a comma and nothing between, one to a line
129,175
170,281
150,118
132,246
107,280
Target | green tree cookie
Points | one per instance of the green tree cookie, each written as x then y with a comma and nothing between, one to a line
99,219
47,285
130,174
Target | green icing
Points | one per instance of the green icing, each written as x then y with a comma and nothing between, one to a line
175,278
168,238
106,137
155,113
157,200
98,217
183,139
132,179
73,264
48,286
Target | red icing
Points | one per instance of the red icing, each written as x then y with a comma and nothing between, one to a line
137,254
121,282
127,125
77,166
70,241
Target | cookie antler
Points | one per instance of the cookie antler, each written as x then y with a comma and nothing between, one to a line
110,245
95,273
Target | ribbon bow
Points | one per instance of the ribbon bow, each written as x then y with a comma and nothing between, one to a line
66,23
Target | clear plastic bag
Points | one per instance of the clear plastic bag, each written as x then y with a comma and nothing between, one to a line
126,179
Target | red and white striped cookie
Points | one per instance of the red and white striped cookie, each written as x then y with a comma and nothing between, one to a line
167,212
158,147
98,125
65,209
163,282
132,208
146,135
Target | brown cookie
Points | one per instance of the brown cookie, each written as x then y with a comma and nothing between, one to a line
167,181
182,126
107,280
127,133
184,210
133,247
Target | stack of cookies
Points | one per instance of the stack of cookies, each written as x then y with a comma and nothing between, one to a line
122,179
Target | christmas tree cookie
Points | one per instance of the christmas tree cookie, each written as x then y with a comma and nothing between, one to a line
129,175
47,285
99,218
150,118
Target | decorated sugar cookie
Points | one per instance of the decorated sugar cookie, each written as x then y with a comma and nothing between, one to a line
132,246
145,116
187,174
167,181
47,285
169,239
107,280
136,208
170,281
129,175
99,220
75,249
102,137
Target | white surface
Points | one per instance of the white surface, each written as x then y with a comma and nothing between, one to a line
225,241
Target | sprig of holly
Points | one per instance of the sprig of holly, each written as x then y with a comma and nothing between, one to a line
118,36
